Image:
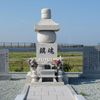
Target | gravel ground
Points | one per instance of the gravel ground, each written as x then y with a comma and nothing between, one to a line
89,88
9,89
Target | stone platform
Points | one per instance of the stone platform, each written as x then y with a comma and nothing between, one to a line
51,91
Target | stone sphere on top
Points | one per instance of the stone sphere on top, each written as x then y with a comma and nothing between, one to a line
46,28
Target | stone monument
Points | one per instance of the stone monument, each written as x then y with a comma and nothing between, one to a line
4,64
91,61
47,47
49,66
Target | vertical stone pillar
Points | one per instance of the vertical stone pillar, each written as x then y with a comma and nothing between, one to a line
4,61
4,64
91,62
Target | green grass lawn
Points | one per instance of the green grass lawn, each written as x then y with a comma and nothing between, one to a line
21,55
18,61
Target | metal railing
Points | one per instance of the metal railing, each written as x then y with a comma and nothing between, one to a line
16,44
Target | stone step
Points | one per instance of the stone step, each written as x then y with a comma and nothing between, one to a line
54,92
48,72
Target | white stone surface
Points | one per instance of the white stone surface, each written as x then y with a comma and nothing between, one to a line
47,24
32,76
46,27
46,37
54,92
45,13
20,97
79,97
45,56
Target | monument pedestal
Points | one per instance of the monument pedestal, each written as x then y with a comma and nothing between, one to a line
47,75
46,52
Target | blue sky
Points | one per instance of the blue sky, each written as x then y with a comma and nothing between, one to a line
79,20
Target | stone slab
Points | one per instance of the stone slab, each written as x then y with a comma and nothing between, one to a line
48,91
54,92
79,97
47,24
4,59
4,64
46,50
91,61
20,97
